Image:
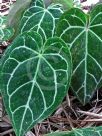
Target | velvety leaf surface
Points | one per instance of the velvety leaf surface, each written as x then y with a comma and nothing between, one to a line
34,79
40,19
83,34
5,32
97,131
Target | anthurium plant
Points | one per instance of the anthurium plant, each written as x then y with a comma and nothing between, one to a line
52,49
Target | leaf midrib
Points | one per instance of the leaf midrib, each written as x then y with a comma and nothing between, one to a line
27,104
86,56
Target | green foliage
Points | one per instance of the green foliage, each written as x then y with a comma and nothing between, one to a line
95,131
5,32
41,20
35,70
40,3
67,4
35,79
83,34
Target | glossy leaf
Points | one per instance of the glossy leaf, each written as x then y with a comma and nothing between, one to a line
41,20
95,131
5,32
34,79
83,34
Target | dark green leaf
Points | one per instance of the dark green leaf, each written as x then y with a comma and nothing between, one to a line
34,79
38,3
42,20
83,34
95,131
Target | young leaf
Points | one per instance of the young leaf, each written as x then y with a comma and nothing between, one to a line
95,131
42,20
67,4
34,79
84,36
5,32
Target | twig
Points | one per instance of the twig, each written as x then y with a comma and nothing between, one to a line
68,118
91,114
92,120
6,132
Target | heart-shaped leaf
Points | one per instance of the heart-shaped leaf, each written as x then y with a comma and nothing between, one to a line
5,32
34,79
95,131
83,34
42,20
